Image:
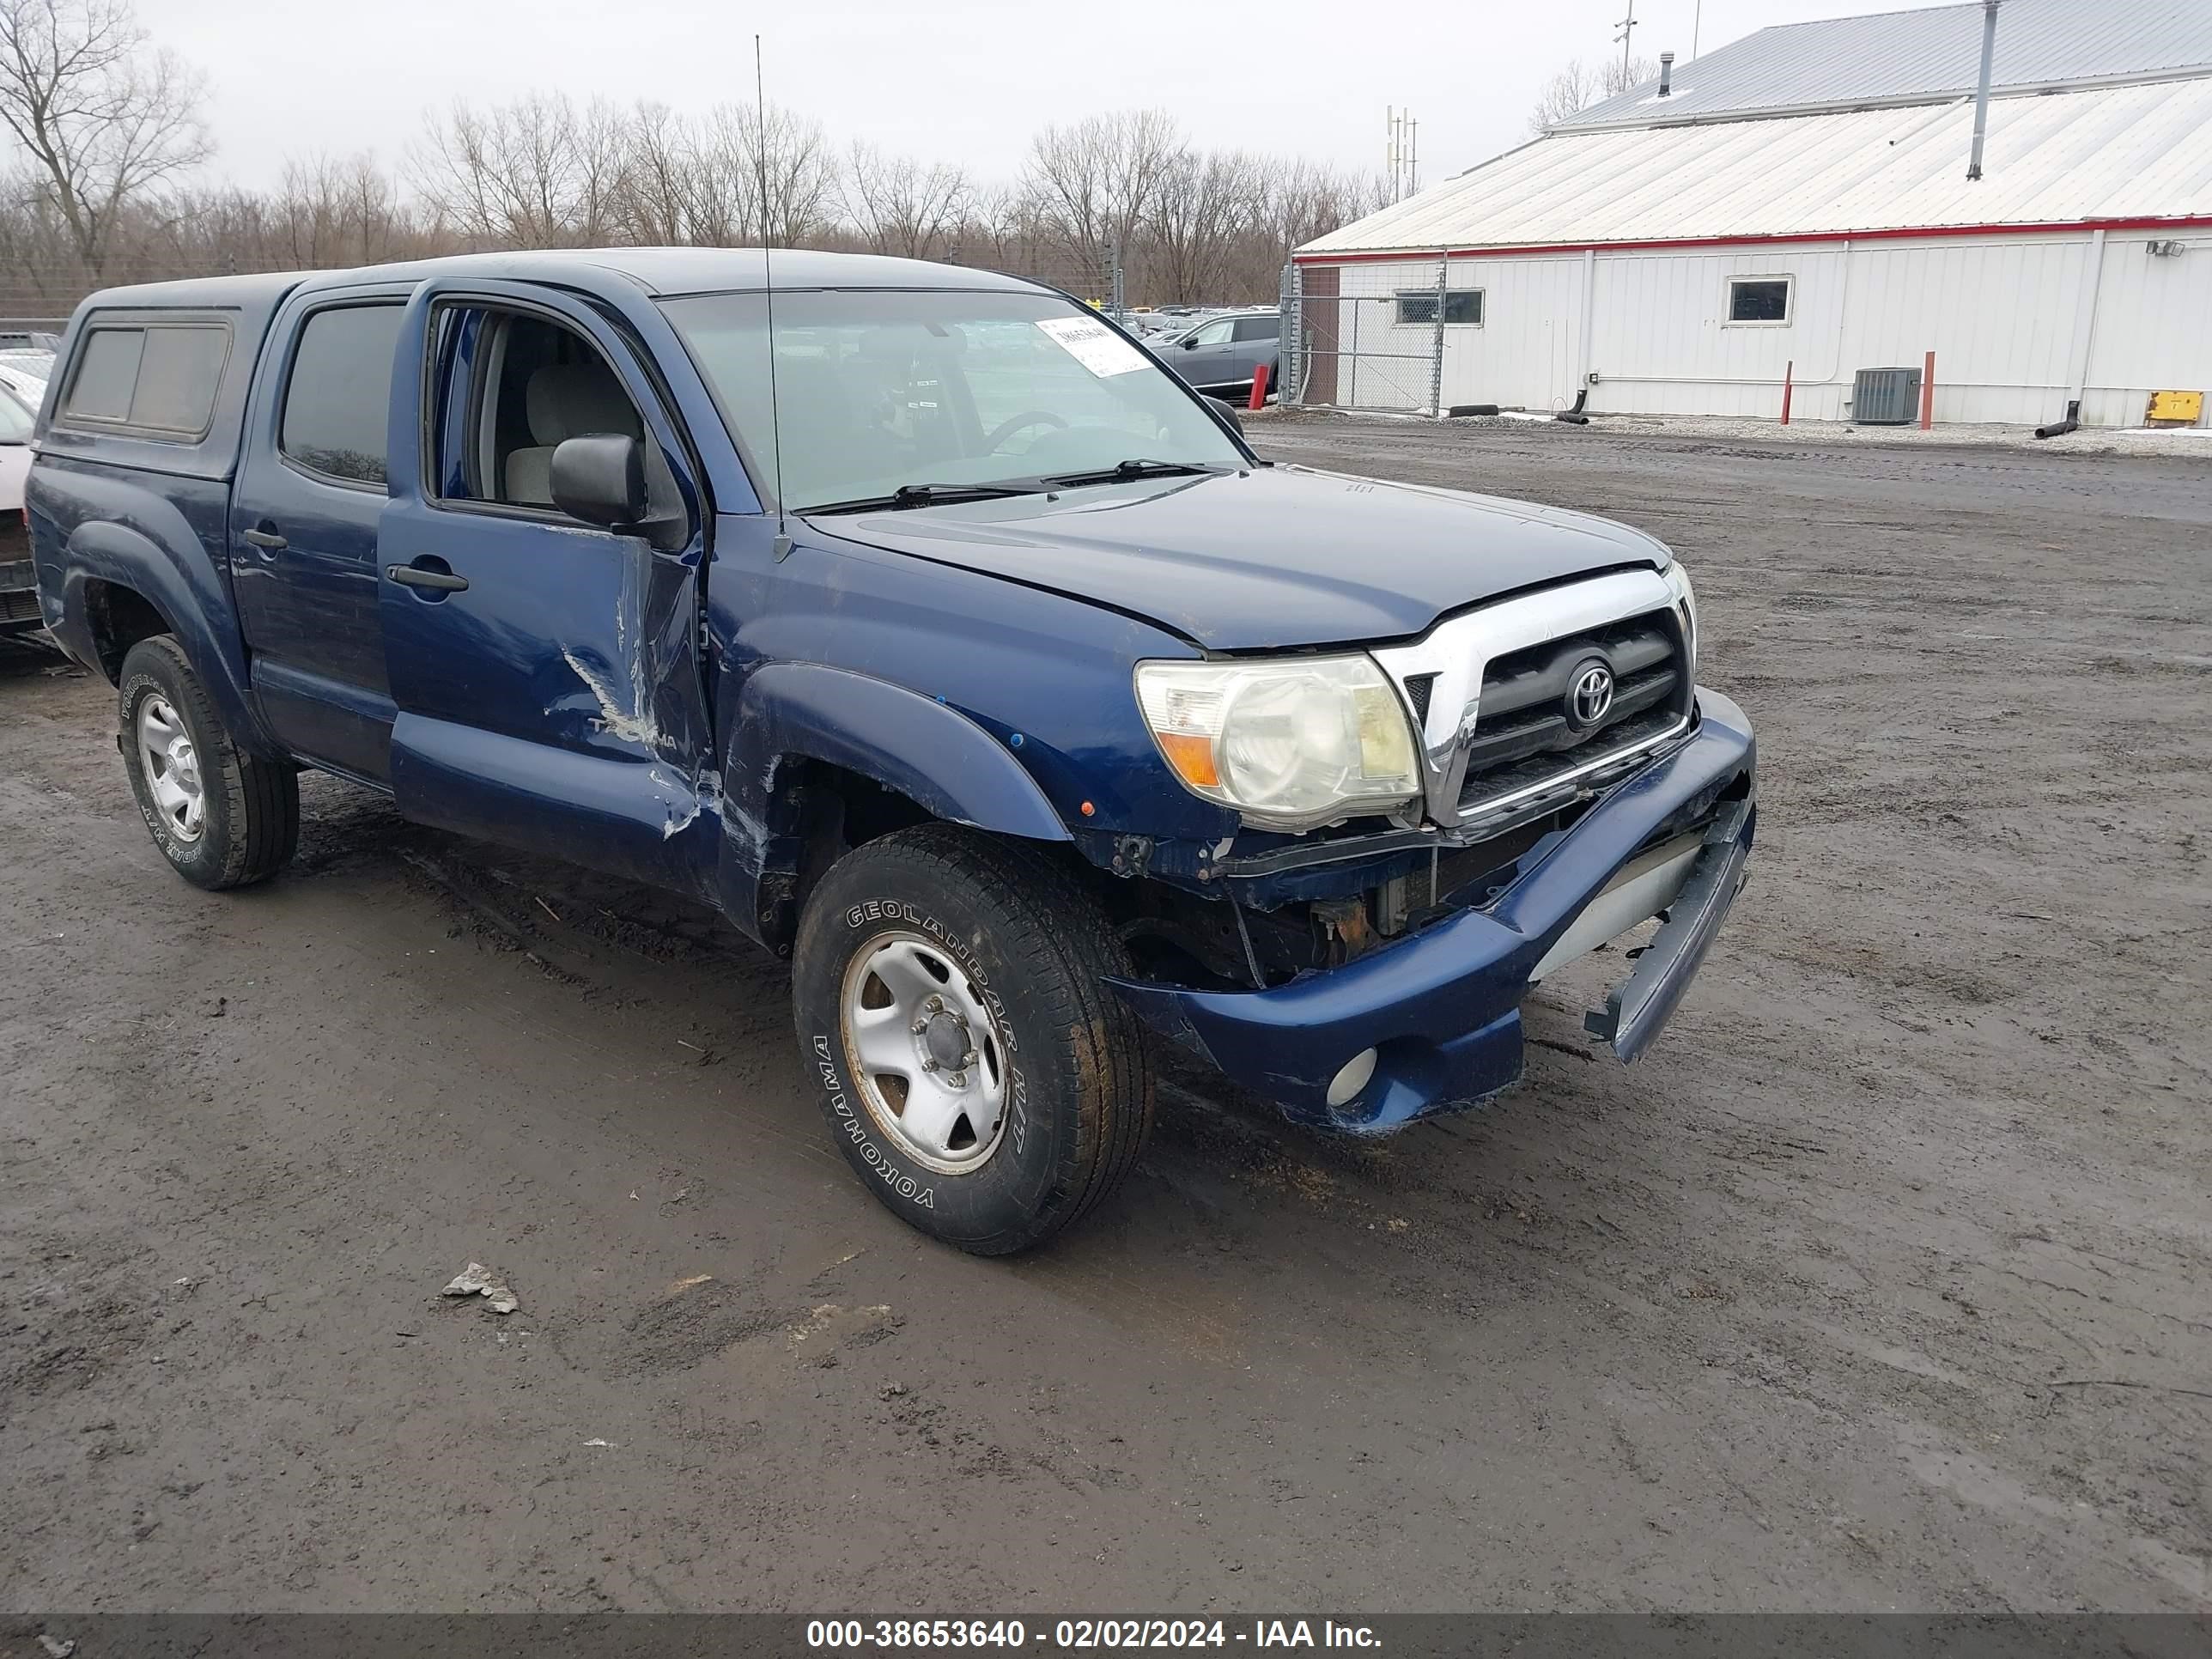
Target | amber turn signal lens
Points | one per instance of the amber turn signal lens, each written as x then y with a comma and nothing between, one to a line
1191,757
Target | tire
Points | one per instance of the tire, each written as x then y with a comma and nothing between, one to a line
1019,954
247,818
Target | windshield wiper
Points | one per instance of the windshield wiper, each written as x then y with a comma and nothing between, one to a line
925,495
1123,470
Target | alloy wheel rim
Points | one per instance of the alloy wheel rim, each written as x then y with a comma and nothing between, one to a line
927,1055
170,762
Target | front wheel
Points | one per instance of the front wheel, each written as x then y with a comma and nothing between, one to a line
221,818
980,1077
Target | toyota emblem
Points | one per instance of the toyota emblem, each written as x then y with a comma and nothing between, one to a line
1591,694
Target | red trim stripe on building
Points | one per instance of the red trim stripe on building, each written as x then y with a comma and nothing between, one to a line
1902,233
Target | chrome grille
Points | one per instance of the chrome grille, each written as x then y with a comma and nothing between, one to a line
1492,690
1524,722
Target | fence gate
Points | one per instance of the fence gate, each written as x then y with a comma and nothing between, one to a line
1368,336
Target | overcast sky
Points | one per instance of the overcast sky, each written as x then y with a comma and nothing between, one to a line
964,81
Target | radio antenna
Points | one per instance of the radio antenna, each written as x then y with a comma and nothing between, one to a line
768,298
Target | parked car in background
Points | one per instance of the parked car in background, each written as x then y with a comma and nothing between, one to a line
1222,354
19,581
25,373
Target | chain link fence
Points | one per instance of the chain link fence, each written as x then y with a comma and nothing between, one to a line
1367,336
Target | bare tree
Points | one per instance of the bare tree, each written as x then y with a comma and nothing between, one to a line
539,172
1094,181
105,120
786,155
333,211
1203,206
1577,87
898,205
1303,200
999,231
801,171
108,127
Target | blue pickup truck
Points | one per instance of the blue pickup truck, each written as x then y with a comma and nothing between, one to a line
918,621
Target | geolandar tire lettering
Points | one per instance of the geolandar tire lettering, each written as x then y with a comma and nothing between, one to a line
978,1074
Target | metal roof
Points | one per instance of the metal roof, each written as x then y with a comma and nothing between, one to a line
2119,152
1922,56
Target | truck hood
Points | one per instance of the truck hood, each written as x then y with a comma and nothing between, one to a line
1276,557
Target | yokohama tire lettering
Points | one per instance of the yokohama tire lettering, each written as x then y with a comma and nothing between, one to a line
870,1154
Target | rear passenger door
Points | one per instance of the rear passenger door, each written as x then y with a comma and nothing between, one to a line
1207,358
304,515
1256,340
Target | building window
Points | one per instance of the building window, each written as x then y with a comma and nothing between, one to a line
1462,305
1759,299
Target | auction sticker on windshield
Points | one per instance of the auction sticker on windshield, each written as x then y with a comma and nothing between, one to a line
1094,345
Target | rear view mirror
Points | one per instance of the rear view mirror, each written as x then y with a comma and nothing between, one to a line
601,478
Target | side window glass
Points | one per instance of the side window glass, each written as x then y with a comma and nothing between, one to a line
1258,328
160,378
178,372
338,401
1215,333
539,385
106,373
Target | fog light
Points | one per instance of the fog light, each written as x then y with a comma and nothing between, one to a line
1352,1078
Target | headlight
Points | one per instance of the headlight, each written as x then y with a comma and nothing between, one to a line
1289,744
1685,601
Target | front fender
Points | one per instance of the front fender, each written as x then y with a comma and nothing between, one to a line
192,599
927,751
931,753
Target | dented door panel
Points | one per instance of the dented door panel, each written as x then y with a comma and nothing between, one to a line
553,700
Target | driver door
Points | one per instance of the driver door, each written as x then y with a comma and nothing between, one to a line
544,671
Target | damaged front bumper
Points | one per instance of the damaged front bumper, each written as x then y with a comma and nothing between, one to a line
1441,1008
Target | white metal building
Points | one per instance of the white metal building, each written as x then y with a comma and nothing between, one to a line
1798,202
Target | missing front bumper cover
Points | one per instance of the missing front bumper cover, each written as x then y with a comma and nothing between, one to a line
1441,1006
1639,1005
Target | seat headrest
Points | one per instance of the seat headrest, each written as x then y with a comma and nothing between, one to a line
566,400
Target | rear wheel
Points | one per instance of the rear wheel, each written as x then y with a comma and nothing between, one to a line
979,1074
221,818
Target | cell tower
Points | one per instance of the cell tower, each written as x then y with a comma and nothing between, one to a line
1401,156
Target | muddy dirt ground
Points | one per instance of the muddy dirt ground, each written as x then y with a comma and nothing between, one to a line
1886,1281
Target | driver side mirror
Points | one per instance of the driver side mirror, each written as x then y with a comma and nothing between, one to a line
1191,344
601,478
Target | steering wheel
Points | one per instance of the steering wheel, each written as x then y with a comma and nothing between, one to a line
1006,428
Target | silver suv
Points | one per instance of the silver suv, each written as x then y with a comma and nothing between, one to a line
1222,354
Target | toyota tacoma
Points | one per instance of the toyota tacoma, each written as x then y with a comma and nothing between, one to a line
918,621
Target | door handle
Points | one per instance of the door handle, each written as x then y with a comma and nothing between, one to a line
441,581
267,540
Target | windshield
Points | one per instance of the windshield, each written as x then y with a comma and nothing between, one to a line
16,420
882,388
